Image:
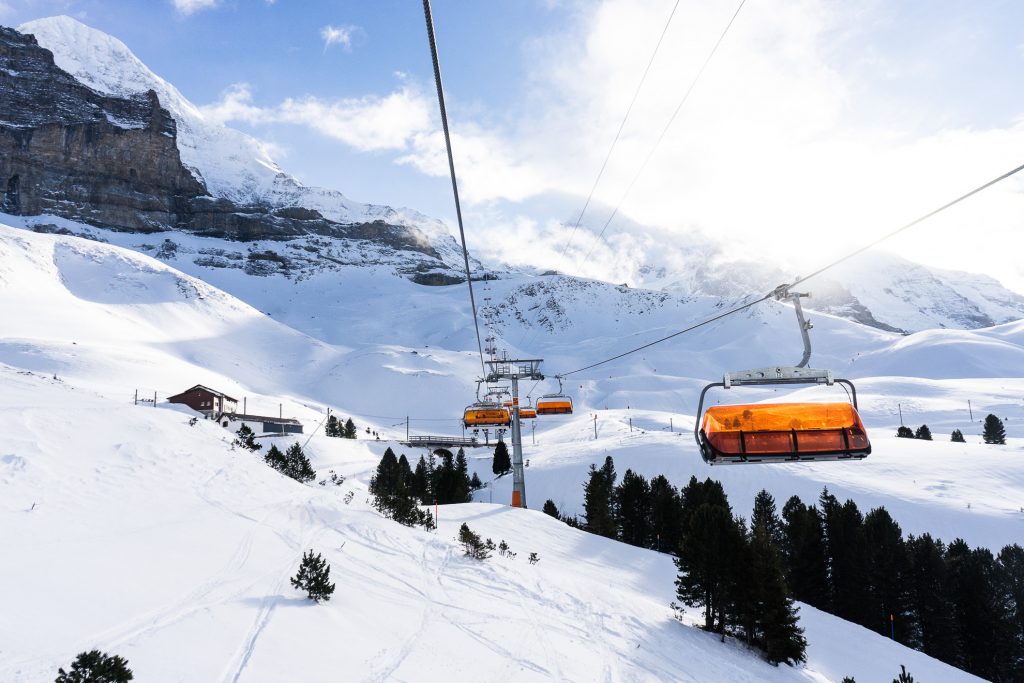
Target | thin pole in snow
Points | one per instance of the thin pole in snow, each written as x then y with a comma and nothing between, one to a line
892,627
136,397
280,411
671,427
969,410
630,424
900,407
154,399
245,405
595,426
406,427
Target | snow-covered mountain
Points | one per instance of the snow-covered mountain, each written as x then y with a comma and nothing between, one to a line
883,291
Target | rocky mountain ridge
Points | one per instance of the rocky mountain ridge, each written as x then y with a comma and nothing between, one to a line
112,161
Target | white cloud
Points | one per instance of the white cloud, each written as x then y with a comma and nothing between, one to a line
188,7
795,146
338,35
367,124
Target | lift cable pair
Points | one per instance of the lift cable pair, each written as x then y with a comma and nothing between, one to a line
805,278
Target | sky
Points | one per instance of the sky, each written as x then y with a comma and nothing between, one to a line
817,125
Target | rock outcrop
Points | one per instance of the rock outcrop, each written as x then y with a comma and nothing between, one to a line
113,162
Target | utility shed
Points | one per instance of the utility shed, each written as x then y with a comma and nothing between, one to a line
206,400
262,424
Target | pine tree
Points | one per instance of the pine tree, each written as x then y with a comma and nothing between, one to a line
888,566
923,433
665,515
298,466
421,481
1010,579
994,431
983,616
350,429
765,515
314,577
958,436
333,427
804,556
845,542
502,463
928,587
474,482
632,510
96,667
598,499
905,432
247,439
551,509
461,489
385,481
711,545
443,482
275,458
775,615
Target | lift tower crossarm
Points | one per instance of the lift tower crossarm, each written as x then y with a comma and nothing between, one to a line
515,370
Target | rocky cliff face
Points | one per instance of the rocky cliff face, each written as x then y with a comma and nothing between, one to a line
67,150
113,162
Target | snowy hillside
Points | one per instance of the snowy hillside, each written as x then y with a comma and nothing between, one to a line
181,543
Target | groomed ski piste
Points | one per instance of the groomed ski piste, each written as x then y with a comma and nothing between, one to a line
127,529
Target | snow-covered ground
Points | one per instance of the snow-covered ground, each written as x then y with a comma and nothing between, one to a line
127,529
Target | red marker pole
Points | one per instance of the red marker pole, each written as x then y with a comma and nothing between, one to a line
892,627
436,518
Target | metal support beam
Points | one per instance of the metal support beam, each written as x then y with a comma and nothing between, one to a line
515,370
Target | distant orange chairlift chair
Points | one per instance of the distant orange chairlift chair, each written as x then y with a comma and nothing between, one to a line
555,404
781,432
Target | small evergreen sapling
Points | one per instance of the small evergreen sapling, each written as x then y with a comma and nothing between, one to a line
350,429
298,466
314,577
275,458
502,463
905,432
247,439
923,433
994,431
96,667
957,436
551,509
533,558
904,677
472,545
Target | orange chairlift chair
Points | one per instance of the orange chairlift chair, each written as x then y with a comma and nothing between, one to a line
487,412
781,432
555,404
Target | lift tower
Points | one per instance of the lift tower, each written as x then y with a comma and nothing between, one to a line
515,370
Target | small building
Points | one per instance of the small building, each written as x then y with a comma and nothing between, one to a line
261,424
208,401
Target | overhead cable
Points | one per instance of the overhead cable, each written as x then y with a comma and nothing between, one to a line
664,131
775,293
451,168
622,125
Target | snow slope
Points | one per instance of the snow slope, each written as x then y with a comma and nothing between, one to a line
129,530
151,537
